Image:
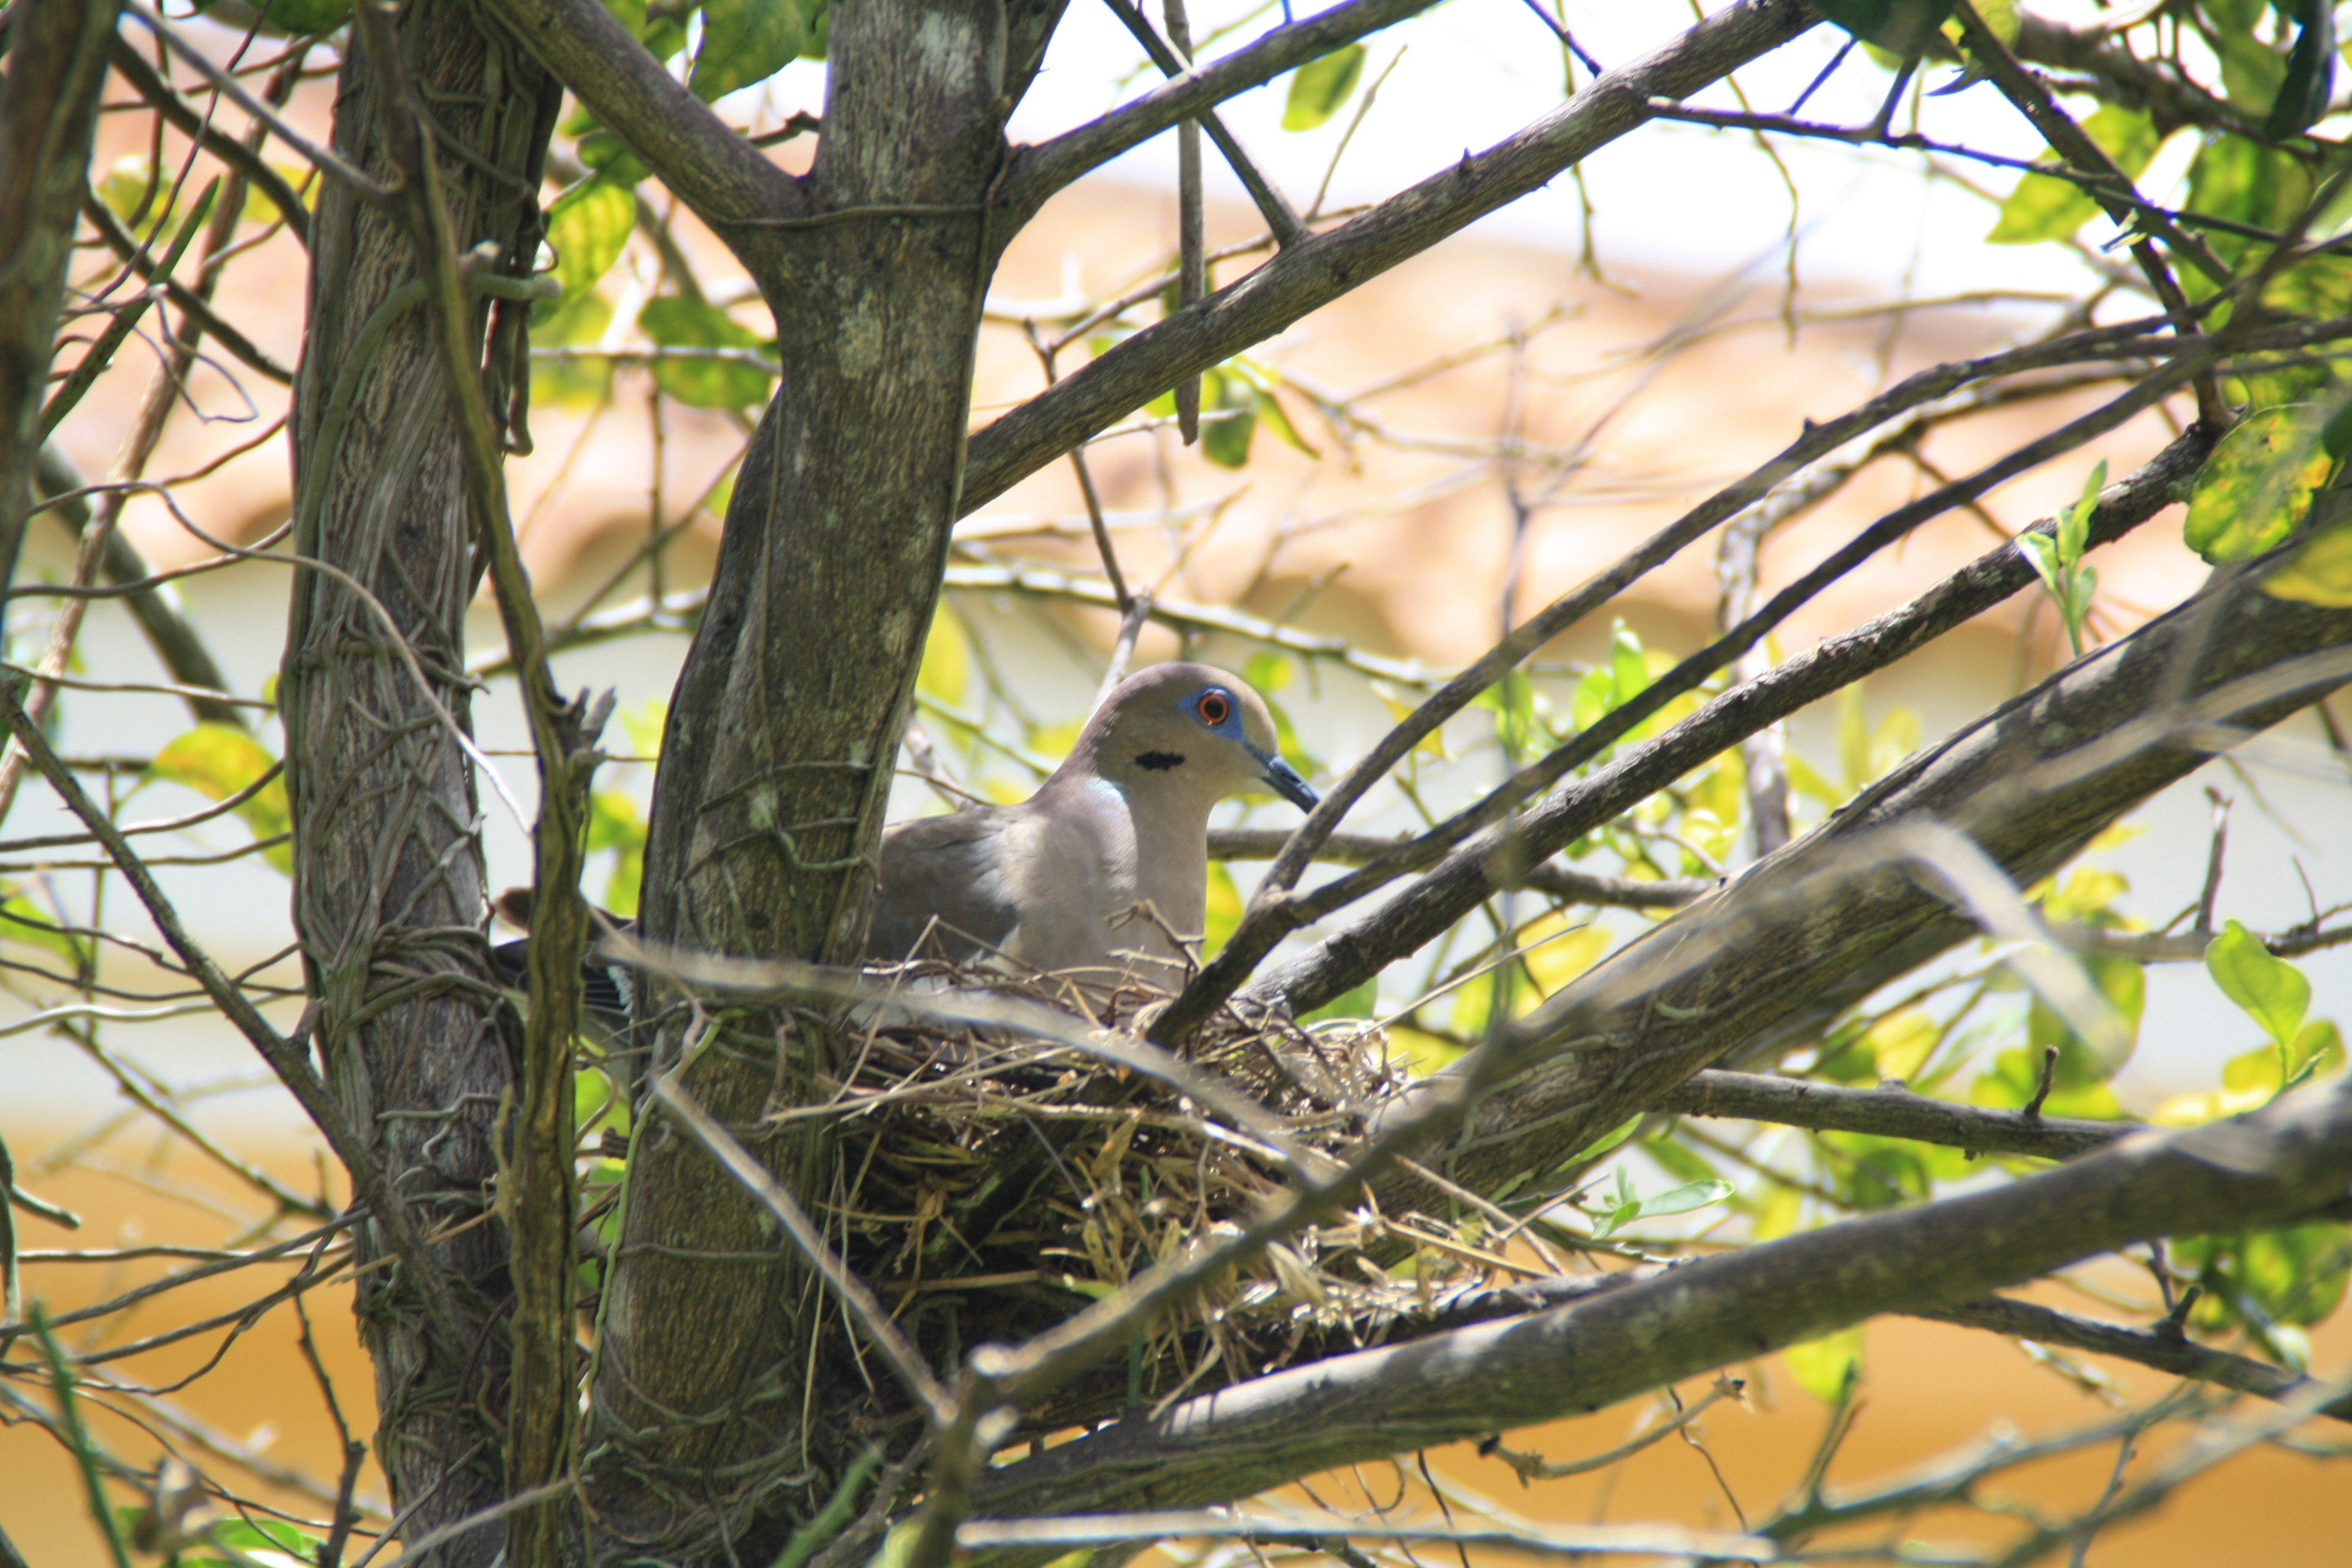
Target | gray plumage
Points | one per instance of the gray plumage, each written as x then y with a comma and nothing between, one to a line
1062,882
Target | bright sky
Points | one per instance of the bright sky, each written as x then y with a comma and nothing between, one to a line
1474,71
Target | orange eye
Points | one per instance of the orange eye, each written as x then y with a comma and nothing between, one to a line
1214,708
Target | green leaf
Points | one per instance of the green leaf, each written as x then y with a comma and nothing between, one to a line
1629,671
2295,1275
1359,1002
588,228
2270,990
1690,1195
1900,1043
1268,672
2238,178
1906,27
217,762
2075,531
1319,88
2041,207
2122,985
1854,738
1827,1368
22,923
746,41
2258,484
1606,1141
2251,72
1225,440
2310,72
2042,555
570,383
675,321
662,36
611,158
614,824
1277,420
2046,207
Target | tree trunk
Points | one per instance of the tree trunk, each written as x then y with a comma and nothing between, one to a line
48,115
388,891
724,1394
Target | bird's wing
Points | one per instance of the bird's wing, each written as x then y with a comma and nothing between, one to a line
943,874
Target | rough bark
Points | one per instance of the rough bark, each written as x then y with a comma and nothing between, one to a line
388,892
1819,926
716,1405
1613,1344
48,114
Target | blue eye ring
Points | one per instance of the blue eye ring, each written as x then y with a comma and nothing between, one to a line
1215,707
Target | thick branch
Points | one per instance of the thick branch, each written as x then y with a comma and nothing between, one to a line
1472,872
1814,928
1316,271
1888,1113
714,171
1689,1319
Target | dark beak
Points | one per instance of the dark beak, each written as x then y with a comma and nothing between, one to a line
1284,780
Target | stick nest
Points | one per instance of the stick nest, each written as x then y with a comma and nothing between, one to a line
991,1183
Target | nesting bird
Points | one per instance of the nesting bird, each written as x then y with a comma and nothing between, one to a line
1101,874
1105,869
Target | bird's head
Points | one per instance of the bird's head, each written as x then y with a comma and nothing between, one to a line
1193,729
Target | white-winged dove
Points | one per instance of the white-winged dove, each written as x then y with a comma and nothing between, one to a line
1062,881
1096,875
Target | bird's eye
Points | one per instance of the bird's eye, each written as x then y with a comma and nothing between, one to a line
1214,708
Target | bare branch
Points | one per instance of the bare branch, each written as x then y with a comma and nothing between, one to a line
714,171
1793,941
191,122
1280,221
1314,272
233,91
1466,875
286,1057
1274,915
1040,170
2165,1350
1565,883
1888,1113
1683,1321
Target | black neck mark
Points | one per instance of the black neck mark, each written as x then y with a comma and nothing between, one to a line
1158,761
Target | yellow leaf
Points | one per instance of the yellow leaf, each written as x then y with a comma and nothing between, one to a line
2318,573
1056,740
217,761
1778,1216
1421,1053
1431,745
1901,1042
1224,909
946,670
1824,1367
1560,949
